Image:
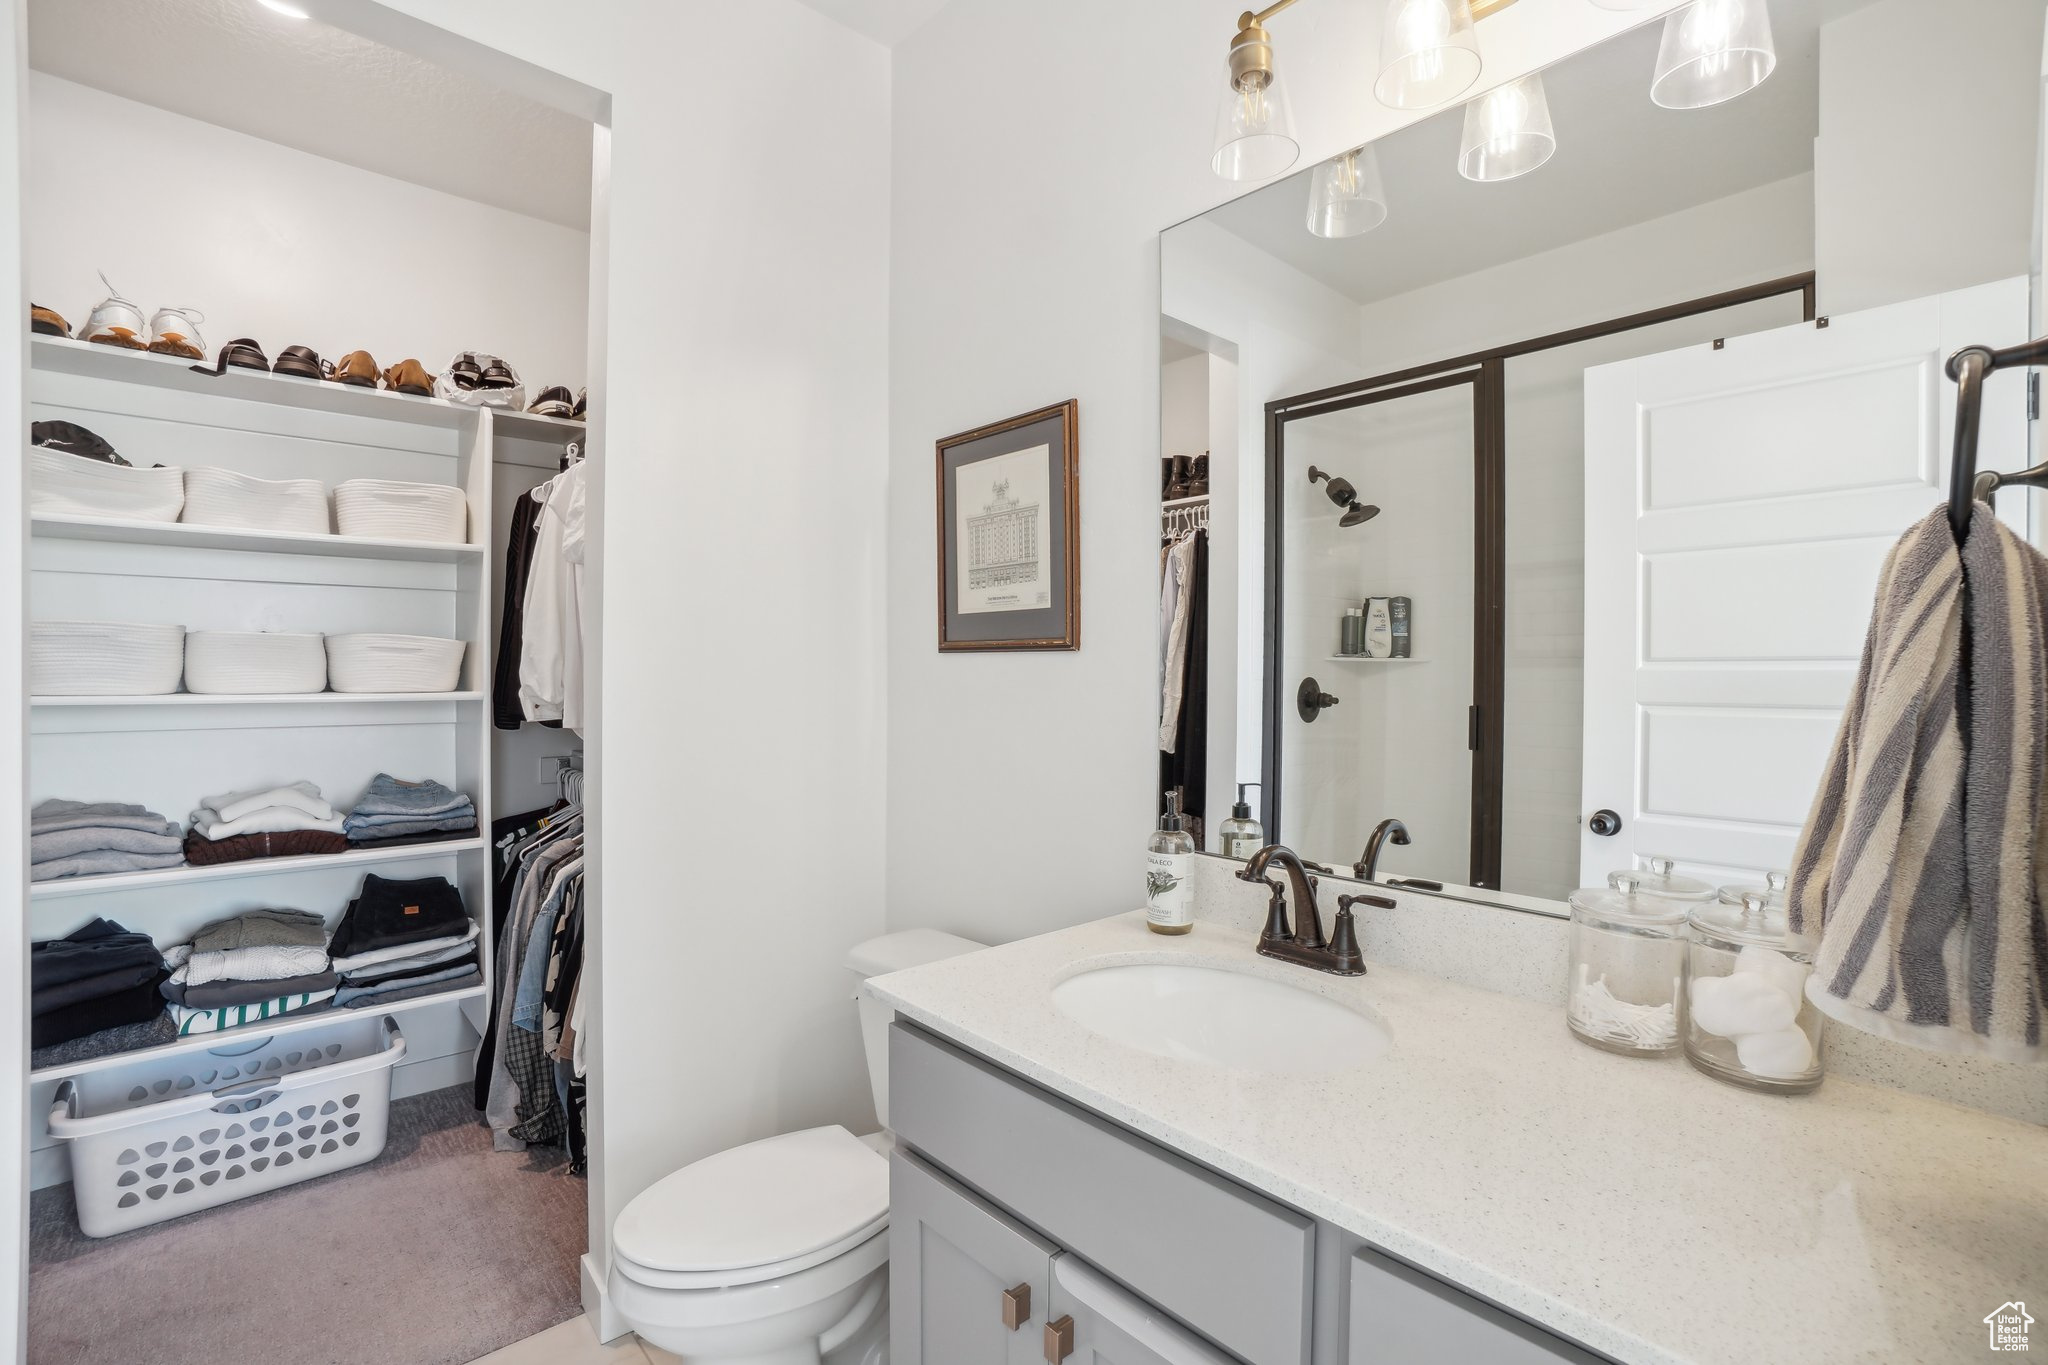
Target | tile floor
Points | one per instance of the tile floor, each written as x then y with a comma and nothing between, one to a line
573,1343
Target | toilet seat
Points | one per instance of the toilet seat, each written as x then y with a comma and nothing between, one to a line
756,1212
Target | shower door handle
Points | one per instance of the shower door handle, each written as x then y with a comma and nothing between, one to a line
1310,700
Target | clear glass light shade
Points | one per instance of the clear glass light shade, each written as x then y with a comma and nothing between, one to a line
1428,53
1346,196
1255,129
1713,50
1507,131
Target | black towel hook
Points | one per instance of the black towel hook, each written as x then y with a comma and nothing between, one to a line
1968,368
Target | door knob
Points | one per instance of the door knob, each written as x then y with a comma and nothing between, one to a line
1016,1306
1310,699
1059,1339
1604,823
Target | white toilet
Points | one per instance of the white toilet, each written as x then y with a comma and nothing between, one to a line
776,1252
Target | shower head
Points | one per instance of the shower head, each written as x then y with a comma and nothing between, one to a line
1345,496
1358,512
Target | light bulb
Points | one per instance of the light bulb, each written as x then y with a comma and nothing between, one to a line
1254,126
1428,53
1712,51
1346,196
1507,131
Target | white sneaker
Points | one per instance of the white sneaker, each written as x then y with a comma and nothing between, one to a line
175,331
115,322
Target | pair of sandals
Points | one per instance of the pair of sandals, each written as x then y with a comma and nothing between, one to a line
555,401
357,369
473,370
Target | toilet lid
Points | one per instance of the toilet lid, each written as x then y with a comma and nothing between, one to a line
761,1204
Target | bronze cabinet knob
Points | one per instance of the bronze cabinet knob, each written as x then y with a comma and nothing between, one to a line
1016,1306
1059,1339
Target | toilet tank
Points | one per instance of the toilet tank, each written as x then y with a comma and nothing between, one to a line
879,957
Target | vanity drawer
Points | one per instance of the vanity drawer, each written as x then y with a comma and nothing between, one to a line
1399,1315
1229,1263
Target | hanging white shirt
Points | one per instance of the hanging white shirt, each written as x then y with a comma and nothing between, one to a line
552,643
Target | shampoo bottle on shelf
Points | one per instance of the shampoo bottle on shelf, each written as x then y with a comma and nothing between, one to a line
1379,629
1169,905
1240,836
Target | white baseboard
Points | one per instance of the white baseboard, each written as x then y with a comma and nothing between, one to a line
48,1166
597,1305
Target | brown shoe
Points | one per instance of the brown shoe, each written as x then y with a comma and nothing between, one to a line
356,368
47,321
408,376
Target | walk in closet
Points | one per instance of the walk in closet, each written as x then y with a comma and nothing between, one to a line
271,236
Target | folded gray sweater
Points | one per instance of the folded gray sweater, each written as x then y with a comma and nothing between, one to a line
57,813
262,929
69,843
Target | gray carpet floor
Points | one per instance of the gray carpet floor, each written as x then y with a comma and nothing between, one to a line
438,1252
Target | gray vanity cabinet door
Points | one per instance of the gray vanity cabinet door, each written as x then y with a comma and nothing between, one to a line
1106,1324
1400,1316
955,1268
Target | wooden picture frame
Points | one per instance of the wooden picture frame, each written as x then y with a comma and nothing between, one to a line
1009,542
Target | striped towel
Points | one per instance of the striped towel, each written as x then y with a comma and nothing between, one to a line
1921,867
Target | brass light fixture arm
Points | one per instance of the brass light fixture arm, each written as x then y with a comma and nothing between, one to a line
1250,20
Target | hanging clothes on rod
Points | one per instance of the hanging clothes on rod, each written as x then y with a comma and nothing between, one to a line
1184,670
552,639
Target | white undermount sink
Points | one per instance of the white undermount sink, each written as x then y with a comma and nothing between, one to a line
1219,1017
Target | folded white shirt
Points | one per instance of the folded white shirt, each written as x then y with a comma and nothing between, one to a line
298,795
208,824
243,964
356,962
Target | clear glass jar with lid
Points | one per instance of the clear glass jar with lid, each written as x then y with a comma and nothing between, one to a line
1748,1020
1626,992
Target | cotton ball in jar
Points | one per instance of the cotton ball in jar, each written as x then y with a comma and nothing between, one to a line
1784,1054
1781,971
1746,1003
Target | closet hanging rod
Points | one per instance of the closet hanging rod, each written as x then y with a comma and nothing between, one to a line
1968,367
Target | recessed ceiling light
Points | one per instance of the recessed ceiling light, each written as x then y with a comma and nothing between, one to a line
286,8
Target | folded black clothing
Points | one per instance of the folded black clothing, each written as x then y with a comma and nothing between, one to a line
43,999
90,950
437,836
473,977
387,913
220,995
136,1005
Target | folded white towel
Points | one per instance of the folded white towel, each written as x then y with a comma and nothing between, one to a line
208,823
298,795
357,961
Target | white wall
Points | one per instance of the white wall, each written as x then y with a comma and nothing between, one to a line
741,506
286,247
1184,406
1038,283
1929,114
14,706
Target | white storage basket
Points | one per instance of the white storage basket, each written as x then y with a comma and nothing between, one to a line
163,1136
388,510
104,659
221,497
72,486
233,662
393,663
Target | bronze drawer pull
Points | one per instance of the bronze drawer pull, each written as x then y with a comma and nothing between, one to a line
1059,1340
1016,1306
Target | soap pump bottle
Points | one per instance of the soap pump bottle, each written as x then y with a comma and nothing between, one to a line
1240,836
1169,905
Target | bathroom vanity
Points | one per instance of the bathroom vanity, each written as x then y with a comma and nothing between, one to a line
1470,1185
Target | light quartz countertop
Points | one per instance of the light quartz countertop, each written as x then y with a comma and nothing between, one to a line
1635,1206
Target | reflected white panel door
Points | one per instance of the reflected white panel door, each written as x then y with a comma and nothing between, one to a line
1739,504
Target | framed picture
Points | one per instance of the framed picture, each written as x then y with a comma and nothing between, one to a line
1010,534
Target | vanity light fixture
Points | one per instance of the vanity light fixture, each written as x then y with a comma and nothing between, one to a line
1428,53
1507,131
1346,196
286,8
1713,50
1254,125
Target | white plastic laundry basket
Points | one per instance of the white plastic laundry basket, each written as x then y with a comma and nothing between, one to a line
221,497
224,662
104,659
386,509
71,486
165,1136
393,663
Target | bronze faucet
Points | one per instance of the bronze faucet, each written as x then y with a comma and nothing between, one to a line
1338,955
1384,833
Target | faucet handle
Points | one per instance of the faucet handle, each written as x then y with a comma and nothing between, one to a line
1345,959
1277,929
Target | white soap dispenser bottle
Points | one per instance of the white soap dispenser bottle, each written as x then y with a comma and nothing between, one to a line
1169,902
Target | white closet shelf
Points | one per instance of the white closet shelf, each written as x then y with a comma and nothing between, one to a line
534,427
270,542
183,699
61,356
1196,501
268,1028
253,867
